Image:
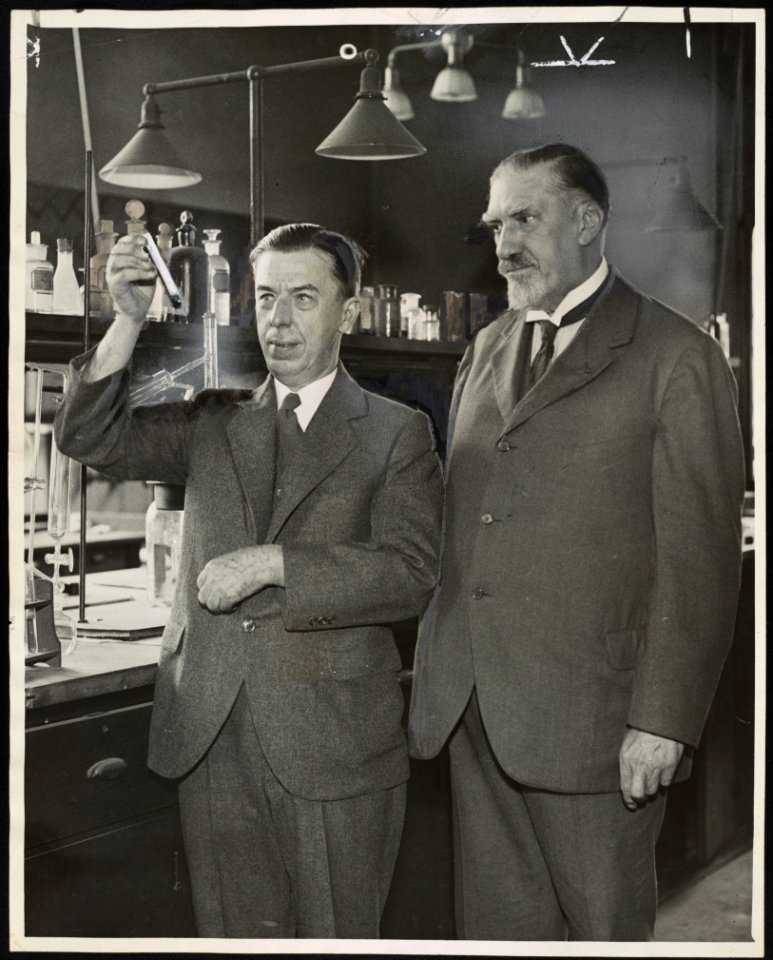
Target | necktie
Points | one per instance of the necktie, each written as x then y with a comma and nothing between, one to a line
288,432
545,353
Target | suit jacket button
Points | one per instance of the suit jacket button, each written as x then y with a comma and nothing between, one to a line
331,620
503,446
477,593
248,625
313,621
487,518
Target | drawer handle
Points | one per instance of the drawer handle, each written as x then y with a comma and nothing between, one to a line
110,769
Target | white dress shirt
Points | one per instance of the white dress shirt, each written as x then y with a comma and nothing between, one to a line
311,396
565,335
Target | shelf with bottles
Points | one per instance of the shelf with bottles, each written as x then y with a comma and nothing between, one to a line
56,338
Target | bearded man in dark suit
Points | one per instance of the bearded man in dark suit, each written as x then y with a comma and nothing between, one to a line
312,521
589,573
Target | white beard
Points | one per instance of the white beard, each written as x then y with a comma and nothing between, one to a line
525,291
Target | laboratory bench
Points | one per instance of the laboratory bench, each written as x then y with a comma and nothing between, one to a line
103,844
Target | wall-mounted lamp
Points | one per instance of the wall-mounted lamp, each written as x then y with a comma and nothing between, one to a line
523,102
679,208
454,84
368,132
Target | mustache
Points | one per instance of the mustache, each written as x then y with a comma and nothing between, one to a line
516,262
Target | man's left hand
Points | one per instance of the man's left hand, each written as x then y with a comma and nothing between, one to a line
647,762
227,580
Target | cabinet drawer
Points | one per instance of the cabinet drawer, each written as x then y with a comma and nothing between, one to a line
70,789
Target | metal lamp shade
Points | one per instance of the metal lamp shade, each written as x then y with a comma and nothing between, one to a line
681,210
454,85
523,102
397,100
149,161
369,131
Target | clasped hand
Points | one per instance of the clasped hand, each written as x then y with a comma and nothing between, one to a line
227,580
647,762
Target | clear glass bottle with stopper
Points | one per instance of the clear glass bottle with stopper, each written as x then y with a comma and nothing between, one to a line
39,288
189,266
219,280
100,300
67,294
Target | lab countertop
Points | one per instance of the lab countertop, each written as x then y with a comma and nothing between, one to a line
97,665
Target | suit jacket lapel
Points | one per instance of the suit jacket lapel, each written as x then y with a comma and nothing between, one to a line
251,436
507,357
610,324
328,439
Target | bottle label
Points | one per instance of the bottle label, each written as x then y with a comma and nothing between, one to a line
42,281
221,281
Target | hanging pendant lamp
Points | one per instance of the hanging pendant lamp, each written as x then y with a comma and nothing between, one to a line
523,102
149,161
369,131
680,209
396,99
454,84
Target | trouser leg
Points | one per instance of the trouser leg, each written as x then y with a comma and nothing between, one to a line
601,857
502,884
265,863
531,862
341,856
239,881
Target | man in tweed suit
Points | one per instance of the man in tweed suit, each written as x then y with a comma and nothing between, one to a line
312,521
589,573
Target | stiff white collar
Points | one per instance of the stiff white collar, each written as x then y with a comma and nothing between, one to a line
311,396
575,296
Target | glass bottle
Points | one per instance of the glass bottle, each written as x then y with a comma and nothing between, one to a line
409,314
367,320
67,295
100,300
160,306
163,542
431,323
387,310
219,280
189,266
39,287
135,210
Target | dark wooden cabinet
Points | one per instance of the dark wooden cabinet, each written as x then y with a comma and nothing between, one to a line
103,847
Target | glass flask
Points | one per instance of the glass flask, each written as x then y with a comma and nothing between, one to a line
163,542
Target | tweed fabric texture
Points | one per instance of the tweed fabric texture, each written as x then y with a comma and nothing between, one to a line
359,524
592,545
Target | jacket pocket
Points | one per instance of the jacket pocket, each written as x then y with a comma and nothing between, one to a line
362,659
623,648
172,639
